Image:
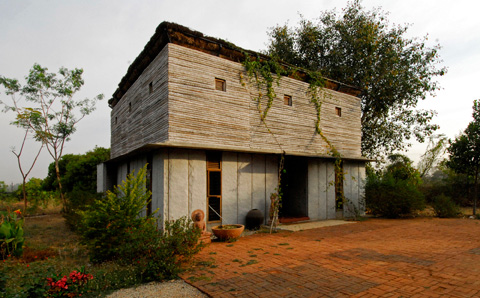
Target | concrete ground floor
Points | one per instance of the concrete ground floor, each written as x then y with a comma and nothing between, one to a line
422,257
226,185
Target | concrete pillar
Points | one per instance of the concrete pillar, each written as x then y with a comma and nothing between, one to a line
102,177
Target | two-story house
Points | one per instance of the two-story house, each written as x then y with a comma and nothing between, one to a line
186,108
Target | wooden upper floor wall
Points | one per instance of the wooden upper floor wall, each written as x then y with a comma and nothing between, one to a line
174,102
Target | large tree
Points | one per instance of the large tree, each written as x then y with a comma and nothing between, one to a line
46,105
362,49
78,172
465,151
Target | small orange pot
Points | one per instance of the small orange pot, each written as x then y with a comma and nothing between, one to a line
225,232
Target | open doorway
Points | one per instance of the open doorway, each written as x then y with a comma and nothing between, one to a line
294,188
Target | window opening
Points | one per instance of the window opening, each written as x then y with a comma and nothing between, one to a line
220,84
129,106
214,186
150,88
287,100
338,111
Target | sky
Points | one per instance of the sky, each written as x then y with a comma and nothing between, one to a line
104,37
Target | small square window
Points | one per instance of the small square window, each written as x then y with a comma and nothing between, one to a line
220,84
150,88
287,100
338,111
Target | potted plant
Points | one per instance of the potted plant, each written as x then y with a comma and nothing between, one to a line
226,232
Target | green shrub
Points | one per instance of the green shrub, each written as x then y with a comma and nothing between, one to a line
159,255
11,234
392,197
113,229
445,207
111,222
175,246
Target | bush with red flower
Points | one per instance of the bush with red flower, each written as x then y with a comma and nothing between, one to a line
71,286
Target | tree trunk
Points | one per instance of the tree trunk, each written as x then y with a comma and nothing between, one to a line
62,196
475,193
24,191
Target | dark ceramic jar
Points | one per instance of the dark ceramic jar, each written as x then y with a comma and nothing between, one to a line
254,219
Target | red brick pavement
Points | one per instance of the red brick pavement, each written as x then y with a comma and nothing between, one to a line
424,257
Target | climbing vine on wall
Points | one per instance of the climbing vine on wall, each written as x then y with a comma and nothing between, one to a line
265,74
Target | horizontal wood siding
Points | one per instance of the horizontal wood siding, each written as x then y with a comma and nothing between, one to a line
141,117
202,115
184,106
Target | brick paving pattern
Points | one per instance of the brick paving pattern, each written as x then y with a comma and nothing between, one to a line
423,257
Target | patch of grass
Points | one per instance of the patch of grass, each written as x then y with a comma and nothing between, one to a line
266,253
283,244
237,260
258,249
253,256
250,262
277,254
212,253
229,245
199,278
289,247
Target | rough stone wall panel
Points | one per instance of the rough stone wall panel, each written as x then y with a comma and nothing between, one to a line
178,183
330,190
158,187
313,196
271,181
197,181
229,188
244,183
258,182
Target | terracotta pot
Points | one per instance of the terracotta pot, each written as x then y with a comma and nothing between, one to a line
225,232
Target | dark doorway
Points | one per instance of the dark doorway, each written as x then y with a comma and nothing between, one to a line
294,188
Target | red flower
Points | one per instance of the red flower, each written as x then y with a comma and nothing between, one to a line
18,212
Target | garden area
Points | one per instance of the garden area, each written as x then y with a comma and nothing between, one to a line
91,252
